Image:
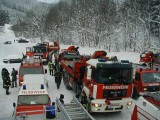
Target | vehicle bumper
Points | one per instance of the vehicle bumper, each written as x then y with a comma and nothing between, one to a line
114,106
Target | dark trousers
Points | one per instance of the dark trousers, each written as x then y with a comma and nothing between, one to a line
7,91
14,82
51,72
58,81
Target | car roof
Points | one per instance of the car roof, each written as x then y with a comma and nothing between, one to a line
12,57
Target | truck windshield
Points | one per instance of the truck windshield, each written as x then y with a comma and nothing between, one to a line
39,49
113,76
151,77
36,70
33,99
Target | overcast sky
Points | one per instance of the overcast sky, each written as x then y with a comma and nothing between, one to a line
49,1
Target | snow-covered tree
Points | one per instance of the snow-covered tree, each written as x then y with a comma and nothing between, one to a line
4,18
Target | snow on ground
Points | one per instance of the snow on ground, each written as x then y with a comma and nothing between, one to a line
6,101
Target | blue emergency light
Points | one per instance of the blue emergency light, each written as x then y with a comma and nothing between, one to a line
24,87
102,60
42,86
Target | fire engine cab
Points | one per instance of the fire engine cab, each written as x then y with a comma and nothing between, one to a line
32,98
43,50
146,80
108,84
147,107
30,65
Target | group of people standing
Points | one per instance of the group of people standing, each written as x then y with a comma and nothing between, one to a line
7,81
58,71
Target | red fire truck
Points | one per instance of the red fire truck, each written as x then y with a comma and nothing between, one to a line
30,65
32,98
147,107
146,80
108,83
150,58
147,58
43,50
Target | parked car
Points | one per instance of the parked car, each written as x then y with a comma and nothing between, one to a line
7,42
12,59
22,40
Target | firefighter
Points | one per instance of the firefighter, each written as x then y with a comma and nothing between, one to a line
7,83
50,66
84,100
61,98
82,71
14,78
58,76
76,49
4,73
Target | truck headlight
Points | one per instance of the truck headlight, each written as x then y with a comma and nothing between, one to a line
144,89
129,103
44,60
96,105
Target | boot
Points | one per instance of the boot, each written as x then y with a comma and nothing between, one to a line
7,92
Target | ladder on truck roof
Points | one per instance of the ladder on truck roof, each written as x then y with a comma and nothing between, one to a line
74,110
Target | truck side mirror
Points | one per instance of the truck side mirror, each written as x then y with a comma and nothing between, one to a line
14,105
89,72
45,70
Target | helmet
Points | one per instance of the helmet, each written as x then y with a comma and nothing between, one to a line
61,96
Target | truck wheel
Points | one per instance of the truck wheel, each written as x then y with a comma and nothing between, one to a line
135,94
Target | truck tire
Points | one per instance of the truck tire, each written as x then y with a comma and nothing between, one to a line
135,94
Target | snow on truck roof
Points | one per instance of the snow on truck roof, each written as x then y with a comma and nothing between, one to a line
33,84
94,62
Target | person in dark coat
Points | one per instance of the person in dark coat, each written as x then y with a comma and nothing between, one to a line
77,52
7,83
4,73
84,100
82,72
58,76
61,98
14,77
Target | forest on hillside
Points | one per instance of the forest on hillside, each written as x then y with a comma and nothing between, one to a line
129,25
